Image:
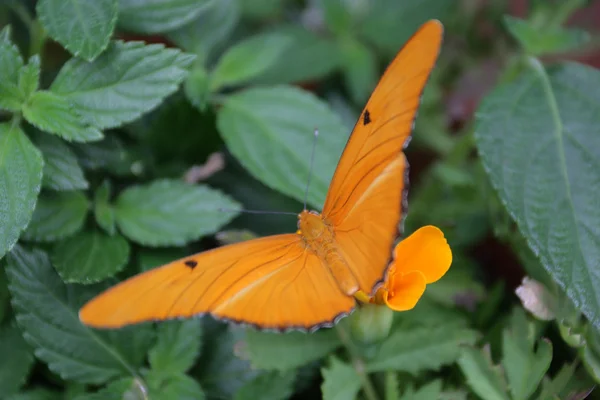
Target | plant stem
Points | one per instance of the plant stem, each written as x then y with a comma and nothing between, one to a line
357,363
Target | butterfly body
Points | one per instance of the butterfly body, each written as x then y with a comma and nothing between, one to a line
303,280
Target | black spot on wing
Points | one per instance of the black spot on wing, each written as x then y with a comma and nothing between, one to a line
191,263
366,117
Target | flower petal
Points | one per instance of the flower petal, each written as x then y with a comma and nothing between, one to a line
406,292
426,251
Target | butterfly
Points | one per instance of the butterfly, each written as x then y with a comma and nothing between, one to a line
307,279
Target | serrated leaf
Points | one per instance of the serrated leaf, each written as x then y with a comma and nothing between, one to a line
209,30
177,346
482,376
538,40
90,257
16,361
169,212
340,381
57,215
29,76
20,180
248,59
124,82
61,168
270,131
82,27
47,312
272,385
539,139
417,349
52,113
359,66
308,57
11,63
288,350
179,386
154,16
103,211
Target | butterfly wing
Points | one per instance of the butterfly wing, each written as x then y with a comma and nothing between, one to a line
272,282
364,203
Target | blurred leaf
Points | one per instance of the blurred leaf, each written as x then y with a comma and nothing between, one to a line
90,256
152,258
155,16
485,379
272,385
11,64
538,40
555,388
118,389
392,390
338,16
4,294
47,312
262,9
417,349
84,28
248,59
197,89
209,30
57,215
359,66
61,168
284,351
177,346
340,381
545,169
20,181
307,57
179,386
169,212
36,394
16,362
104,154
127,80
29,76
270,131
103,211
52,113
380,24
432,390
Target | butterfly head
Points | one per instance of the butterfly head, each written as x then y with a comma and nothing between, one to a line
311,224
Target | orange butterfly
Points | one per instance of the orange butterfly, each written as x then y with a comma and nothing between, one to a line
307,279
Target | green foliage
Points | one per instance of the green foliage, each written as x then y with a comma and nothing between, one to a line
132,133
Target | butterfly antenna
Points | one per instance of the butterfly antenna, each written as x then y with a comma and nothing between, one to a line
312,159
233,210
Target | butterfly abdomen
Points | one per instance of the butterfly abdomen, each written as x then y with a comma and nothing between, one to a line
319,238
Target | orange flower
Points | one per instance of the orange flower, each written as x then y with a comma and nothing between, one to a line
422,258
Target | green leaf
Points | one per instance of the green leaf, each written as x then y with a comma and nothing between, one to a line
177,346
11,63
52,113
196,88
16,362
47,313
158,15
29,77
380,24
272,385
248,59
307,57
20,181
126,389
57,215
538,40
169,212
84,28
61,168
103,211
36,394
359,66
482,376
417,349
539,139
209,30
270,131
4,294
178,386
340,381
432,390
124,82
90,256
284,351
